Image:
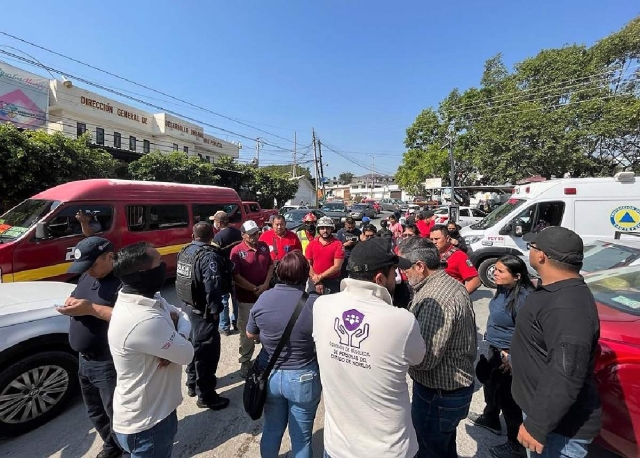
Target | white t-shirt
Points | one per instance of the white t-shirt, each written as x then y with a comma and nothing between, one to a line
140,333
365,346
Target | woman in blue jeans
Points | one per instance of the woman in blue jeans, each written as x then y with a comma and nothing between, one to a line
294,384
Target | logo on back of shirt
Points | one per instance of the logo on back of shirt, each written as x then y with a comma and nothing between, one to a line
352,331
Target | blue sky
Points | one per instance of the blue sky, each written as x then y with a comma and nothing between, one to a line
358,71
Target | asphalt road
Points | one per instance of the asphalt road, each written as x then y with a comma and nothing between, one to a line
227,433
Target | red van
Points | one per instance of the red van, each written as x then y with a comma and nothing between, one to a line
38,236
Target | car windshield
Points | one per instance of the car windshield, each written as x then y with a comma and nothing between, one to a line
606,255
358,207
19,219
294,217
498,214
618,289
333,207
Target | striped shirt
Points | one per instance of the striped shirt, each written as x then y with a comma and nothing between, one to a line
448,325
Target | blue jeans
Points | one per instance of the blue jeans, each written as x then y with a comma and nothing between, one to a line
225,323
156,442
558,446
98,383
435,415
293,399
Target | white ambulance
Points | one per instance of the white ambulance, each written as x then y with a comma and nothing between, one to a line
595,208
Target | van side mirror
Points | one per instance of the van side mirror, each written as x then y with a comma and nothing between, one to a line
517,231
41,231
506,230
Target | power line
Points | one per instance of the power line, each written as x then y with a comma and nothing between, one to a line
143,86
157,107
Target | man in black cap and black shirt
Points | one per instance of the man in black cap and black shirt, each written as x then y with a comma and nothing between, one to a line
90,307
554,350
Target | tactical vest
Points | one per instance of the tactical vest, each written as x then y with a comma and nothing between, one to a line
188,289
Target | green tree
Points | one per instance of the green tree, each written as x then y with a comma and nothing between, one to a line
174,167
33,161
574,109
346,177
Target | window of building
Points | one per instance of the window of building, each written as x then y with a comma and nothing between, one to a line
202,212
81,129
132,143
99,136
146,146
117,140
156,217
185,149
175,147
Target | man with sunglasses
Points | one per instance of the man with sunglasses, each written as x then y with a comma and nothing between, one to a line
325,255
554,350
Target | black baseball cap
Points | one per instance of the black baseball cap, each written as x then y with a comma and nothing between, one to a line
375,254
558,243
428,214
87,251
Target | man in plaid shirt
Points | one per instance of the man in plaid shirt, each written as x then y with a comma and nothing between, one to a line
443,382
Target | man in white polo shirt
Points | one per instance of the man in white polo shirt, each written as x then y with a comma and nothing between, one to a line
147,339
365,346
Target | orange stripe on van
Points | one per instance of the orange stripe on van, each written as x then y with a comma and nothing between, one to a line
60,269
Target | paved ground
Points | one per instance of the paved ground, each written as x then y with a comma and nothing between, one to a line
228,433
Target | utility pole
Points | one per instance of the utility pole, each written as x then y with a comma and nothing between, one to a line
321,169
294,173
258,145
452,165
315,161
373,167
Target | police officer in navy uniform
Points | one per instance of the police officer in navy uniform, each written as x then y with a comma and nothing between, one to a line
90,307
200,279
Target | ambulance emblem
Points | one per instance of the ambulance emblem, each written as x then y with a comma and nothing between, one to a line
626,218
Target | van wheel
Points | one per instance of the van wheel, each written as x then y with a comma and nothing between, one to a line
35,389
486,270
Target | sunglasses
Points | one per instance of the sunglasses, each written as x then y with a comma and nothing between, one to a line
533,247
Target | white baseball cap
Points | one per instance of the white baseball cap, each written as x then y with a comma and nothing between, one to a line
250,227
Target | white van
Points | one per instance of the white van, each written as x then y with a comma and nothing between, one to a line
595,208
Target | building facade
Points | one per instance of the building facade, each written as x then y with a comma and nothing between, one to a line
127,131
367,187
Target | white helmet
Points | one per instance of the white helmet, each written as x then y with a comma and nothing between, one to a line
325,221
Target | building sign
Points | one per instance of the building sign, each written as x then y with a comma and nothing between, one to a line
24,97
198,133
106,107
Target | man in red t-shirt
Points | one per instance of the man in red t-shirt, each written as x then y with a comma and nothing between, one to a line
325,255
252,272
280,240
425,222
459,266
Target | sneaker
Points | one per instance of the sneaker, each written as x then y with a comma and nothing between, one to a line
225,332
219,403
191,392
109,454
508,450
488,423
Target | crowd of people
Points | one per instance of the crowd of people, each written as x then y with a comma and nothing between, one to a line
381,305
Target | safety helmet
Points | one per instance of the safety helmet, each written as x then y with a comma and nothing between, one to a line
366,219
326,221
309,218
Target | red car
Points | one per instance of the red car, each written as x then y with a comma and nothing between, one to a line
617,293
376,205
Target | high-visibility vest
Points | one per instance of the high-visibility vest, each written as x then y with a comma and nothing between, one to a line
304,240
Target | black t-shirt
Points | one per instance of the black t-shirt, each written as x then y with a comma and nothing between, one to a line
88,334
227,237
553,355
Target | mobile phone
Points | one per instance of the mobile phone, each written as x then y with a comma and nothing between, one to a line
59,306
306,377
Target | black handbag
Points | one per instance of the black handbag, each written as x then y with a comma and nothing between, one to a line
255,387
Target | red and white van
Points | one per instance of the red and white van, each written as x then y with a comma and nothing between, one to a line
38,236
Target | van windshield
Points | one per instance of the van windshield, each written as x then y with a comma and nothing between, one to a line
19,219
498,214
